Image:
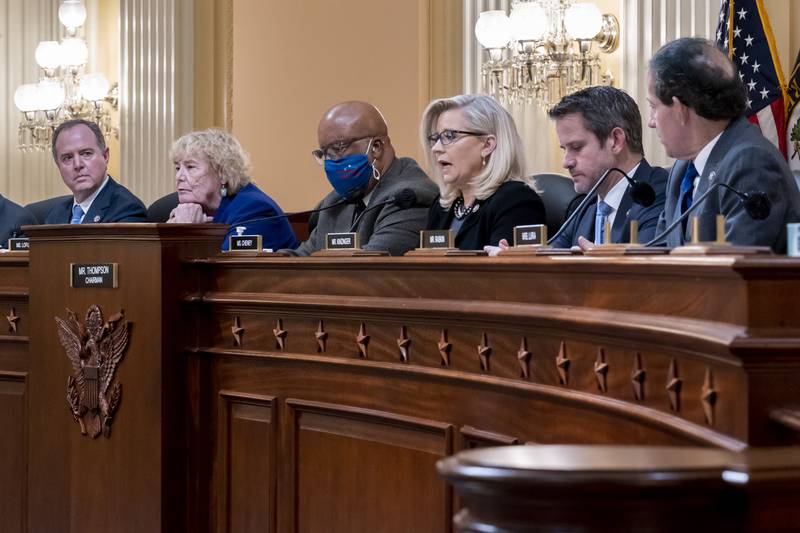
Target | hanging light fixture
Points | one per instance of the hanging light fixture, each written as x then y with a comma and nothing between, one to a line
63,92
542,50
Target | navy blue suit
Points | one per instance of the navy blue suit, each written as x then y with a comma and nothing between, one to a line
251,203
115,203
12,216
583,225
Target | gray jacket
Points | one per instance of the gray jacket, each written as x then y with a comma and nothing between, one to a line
383,228
744,159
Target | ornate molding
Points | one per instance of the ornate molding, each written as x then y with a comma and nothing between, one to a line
12,318
524,358
95,349
484,353
280,335
638,376
601,371
709,396
445,348
321,337
237,330
362,339
403,344
562,365
674,386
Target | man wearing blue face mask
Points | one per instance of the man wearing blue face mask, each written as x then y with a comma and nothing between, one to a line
360,164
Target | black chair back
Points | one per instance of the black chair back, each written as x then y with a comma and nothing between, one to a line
557,192
160,209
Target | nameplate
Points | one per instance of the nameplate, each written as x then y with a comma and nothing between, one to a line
19,244
244,243
532,235
341,241
93,276
437,238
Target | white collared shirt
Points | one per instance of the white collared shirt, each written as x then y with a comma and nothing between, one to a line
86,204
702,158
614,197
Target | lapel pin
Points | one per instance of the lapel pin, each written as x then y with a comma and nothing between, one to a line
96,218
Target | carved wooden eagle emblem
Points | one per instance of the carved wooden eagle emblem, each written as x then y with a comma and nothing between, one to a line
94,348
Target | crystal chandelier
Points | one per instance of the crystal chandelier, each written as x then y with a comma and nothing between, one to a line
542,51
63,91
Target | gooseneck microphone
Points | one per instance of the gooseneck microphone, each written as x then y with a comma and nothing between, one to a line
351,198
755,203
404,198
642,193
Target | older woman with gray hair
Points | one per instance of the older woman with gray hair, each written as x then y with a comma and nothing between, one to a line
213,183
475,155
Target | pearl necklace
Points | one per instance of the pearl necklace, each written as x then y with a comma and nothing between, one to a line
460,211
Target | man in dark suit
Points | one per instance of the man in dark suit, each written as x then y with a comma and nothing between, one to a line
12,216
599,128
81,154
360,162
697,100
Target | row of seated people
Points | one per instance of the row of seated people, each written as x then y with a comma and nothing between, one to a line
477,186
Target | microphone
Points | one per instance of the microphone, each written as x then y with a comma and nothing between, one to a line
642,193
755,203
404,198
352,197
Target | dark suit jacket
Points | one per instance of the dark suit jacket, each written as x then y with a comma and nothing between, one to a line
583,225
513,204
12,216
386,228
744,159
115,203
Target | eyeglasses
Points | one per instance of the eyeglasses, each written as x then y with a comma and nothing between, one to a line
450,136
336,150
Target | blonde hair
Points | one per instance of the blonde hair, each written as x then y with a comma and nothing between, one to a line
482,114
222,151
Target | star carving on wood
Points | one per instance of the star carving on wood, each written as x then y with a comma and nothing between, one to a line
444,348
280,335
674,386
403,344
601,370
562,364
638,377
321,335
12,321
709,396
237,331
362,339
524,358
484,352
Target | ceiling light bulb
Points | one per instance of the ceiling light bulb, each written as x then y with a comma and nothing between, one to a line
528,21
74,52
25,97
50,95
583,21
72,14
94,87
48,55
493,29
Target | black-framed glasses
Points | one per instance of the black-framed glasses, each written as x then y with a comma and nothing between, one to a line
451,136
336,150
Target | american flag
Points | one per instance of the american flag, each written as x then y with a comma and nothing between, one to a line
745,35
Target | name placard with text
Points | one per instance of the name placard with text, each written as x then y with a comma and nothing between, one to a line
437,238
93,276
341,241
530,235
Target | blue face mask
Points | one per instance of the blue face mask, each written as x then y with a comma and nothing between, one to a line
350,173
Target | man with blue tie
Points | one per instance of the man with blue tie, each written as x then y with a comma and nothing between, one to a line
697,104
599,128
81,154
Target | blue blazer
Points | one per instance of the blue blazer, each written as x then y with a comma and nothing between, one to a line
647,217
12,216
115,203
251,203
